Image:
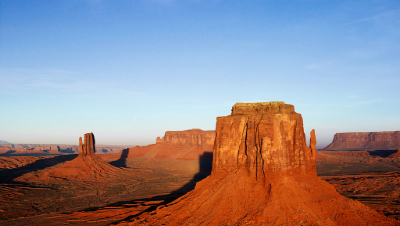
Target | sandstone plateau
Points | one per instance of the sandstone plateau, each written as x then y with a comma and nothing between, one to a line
262,174
182,145
365,141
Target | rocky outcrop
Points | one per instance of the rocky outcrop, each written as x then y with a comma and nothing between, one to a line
181,145
365,141
263,138
263,174
88,147
87,162
396,154
190,137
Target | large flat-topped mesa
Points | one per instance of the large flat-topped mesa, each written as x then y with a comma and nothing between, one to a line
388,140
263,138
273,107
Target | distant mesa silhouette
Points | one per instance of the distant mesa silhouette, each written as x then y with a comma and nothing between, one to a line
263,173
389,140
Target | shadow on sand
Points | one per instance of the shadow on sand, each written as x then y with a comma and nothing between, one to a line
382,153
121,162
205,166
8,175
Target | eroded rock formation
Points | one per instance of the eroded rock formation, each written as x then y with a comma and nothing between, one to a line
88,147
365,141
183,145
191,137
263,138
87,162
263,174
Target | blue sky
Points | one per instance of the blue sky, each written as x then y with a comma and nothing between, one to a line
130,70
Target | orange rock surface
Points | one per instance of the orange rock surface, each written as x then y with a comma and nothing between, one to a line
192,136
263,174
365,141
183,145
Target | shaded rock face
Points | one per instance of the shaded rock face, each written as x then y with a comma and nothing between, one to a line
263,138
191,137
88,147
365,141
396,154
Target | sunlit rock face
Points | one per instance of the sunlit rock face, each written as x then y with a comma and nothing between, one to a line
389,140
263,138
188,137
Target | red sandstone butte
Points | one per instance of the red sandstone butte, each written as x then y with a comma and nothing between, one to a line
86,163
263,174
365,141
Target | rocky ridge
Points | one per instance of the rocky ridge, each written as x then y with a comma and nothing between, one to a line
365,141
192,137
182,145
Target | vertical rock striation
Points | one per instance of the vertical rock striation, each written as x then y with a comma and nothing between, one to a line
263,138
88,147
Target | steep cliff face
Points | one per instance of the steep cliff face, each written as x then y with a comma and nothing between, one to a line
263,174
263,138
88,147
191,137
365,141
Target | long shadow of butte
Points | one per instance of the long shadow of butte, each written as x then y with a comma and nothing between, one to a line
8,175
205,166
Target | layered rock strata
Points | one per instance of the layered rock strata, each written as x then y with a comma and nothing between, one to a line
191,137
365,141
263,138
182,145
263,174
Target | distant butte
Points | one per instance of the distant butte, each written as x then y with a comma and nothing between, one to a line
263,174
87,162
365,141
182,145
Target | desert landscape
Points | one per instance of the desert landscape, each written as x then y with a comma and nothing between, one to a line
173,112
197,177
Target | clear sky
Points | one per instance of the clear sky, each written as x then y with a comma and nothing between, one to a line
129,70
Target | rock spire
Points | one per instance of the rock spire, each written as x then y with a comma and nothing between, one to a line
88,147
